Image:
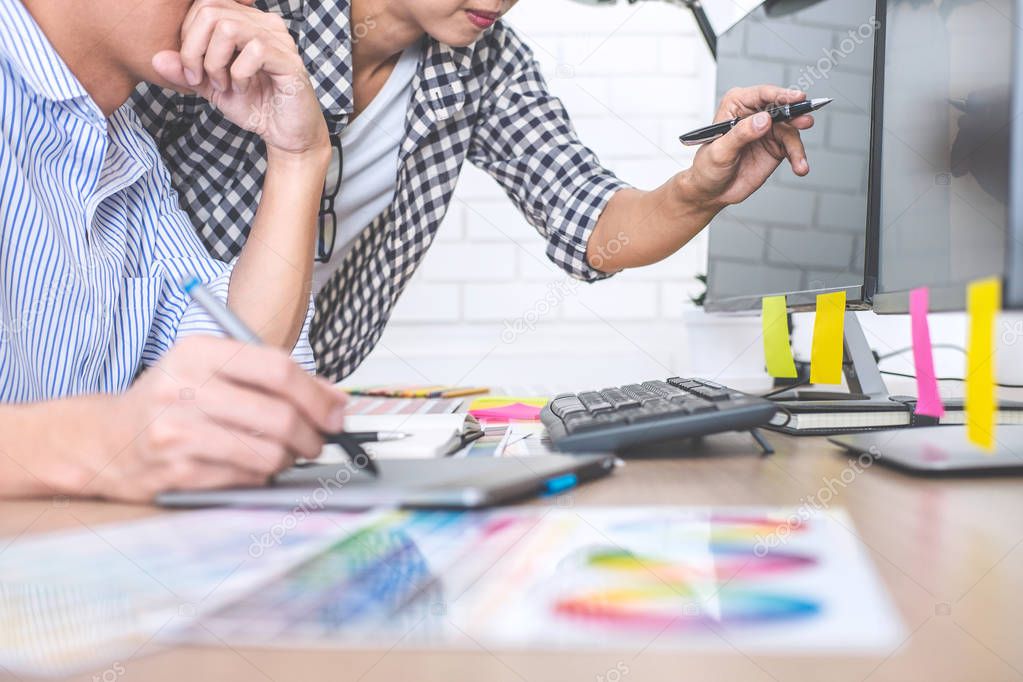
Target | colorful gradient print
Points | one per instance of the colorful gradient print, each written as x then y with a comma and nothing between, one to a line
723,580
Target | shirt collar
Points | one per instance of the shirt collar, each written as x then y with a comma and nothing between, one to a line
33,57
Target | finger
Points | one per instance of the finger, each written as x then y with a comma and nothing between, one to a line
270,57
198,475
726,150
249,412
214,443
248,63
168,65
273,372
743,101
227,39
804,122
202,22
196,33
792,144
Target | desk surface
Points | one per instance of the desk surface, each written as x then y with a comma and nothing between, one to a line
950,553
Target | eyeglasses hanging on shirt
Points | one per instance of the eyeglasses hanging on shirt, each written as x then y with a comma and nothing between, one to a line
327,219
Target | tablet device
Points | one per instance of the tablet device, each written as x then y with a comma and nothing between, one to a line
939,450
460,483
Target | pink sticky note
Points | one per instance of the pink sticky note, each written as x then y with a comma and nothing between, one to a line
506,413
928,399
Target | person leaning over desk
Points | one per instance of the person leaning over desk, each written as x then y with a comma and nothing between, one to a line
101,393
411,89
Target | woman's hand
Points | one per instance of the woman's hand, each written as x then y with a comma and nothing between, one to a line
729,169
213,413
246,64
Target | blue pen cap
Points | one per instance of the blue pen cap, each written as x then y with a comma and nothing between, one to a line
190,284
561,483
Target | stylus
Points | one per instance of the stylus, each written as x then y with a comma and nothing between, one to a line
779,114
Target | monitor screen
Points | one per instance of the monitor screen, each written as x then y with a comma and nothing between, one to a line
801,236
944,158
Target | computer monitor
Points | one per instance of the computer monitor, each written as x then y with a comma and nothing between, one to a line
948,185
803,236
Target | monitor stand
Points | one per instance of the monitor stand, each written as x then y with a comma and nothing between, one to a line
863,376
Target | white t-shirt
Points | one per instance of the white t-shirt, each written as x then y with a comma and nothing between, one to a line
370,145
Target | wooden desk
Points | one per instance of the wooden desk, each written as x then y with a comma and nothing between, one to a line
949,551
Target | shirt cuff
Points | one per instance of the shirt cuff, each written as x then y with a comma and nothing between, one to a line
574,225
197,321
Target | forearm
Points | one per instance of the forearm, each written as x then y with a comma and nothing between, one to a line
52,448
271,282
642,227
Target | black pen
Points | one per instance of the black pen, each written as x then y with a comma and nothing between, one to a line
238,330
377,436
779,114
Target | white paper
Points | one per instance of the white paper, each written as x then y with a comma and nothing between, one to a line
430,435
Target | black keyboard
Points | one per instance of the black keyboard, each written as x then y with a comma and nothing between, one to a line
615,419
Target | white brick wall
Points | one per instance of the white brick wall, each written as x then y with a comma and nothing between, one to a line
633,77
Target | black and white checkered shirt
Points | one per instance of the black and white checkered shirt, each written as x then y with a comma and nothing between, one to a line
487,103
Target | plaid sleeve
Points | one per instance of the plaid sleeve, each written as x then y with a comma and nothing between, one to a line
525,140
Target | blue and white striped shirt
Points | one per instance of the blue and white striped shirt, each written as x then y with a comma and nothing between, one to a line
93,244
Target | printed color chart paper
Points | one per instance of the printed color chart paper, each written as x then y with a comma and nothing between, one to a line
760,579
79,599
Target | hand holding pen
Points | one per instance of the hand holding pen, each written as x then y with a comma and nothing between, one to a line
782,113
740,161
238,330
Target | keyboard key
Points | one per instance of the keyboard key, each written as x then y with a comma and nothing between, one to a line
594,402
566,405
684,384
618,398
640,393
664,389
716,395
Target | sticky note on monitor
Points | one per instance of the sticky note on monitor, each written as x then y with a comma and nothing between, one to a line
984,300
828,339
777,349
928,400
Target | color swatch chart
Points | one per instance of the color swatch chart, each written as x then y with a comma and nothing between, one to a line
557,578
70,600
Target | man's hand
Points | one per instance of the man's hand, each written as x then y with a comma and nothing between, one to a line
213,413
246,64
729,169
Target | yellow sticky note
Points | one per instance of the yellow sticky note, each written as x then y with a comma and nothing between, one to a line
828,339
777,350
984,300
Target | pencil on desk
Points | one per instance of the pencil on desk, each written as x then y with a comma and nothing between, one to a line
459,392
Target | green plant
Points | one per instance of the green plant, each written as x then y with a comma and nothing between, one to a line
701,298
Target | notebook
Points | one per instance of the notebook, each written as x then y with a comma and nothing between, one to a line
826,417
431,435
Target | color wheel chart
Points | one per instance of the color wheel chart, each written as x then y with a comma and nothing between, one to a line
671,577
710,574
